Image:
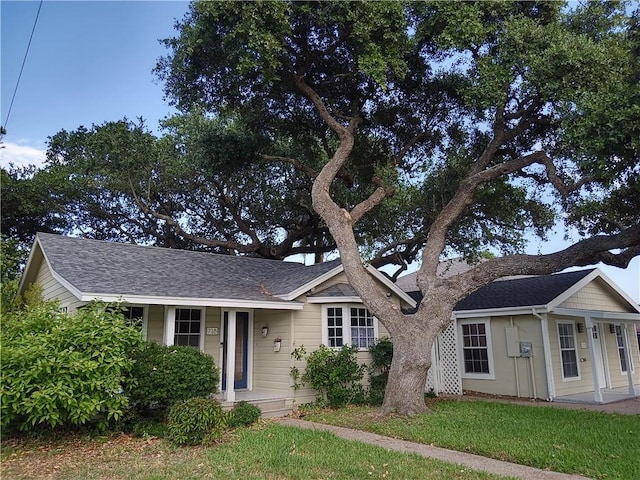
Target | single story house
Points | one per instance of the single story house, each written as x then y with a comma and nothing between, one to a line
549,337
568,336
201,299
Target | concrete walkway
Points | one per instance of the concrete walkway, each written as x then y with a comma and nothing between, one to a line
468,460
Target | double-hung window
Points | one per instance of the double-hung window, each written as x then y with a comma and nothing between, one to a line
477,357
349,325
621,352
188,327
568,352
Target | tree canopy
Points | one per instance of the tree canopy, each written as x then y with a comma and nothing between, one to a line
478,122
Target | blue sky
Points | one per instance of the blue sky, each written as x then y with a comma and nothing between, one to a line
91,62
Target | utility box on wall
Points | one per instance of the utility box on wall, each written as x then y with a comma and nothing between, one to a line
513,342
526,349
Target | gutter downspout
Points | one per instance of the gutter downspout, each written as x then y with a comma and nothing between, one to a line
546,345
515,366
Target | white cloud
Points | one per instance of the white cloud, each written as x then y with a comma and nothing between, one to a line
21,155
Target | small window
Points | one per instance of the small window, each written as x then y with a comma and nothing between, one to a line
335,327
134,314
362,330
568,353
621,353
475,349
188,327
348,324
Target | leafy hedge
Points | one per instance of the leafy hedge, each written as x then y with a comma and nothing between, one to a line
164,375
335,374
62,369
195,421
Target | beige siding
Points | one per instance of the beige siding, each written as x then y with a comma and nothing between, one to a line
513,373
155,323
271,369
584,382
307,332
596,295
54,290
212,344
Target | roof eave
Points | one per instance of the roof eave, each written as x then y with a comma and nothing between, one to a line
191,301
499,312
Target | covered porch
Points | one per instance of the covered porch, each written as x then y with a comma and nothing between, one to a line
607,395
607,364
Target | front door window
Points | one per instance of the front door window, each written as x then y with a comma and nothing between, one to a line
242,345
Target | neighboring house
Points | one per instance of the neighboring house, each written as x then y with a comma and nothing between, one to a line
568,336
201,299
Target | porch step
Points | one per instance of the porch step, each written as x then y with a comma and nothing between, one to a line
270,408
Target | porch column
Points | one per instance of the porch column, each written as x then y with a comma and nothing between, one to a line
230,334
169,325
627,354
597,394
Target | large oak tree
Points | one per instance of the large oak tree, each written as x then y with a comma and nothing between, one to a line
487,119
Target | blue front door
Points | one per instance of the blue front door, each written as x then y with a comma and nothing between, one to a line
242,347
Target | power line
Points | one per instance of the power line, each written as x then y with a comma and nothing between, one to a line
24,60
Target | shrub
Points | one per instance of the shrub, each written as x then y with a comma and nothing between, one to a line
243,414
381,356
163,375
334,374
60,369
195,421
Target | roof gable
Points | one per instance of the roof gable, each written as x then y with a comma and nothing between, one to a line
522,292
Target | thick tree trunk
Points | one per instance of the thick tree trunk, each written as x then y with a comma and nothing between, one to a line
404,394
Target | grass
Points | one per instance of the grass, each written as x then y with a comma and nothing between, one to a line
267,451
594,444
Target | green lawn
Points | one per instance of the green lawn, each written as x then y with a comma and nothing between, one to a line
594,444
269,451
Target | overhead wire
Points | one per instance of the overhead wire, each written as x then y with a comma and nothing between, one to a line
24,60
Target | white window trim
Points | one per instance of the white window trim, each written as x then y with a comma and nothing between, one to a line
346,329
629,354
478,376
203,313
575,348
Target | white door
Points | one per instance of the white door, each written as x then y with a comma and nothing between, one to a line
598,361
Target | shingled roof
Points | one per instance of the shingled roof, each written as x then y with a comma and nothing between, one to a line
101,267
522,292
518,292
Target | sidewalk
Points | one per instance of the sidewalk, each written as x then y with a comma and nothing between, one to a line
474,462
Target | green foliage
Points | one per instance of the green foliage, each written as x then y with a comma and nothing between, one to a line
195,421
381,356
60,369
163,375
11,259
335,374
243,414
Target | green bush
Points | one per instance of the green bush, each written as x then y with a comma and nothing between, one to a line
243,414
335,374
381,356
195,421
164,375
60,369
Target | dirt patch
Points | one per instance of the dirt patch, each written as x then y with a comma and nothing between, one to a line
68,457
